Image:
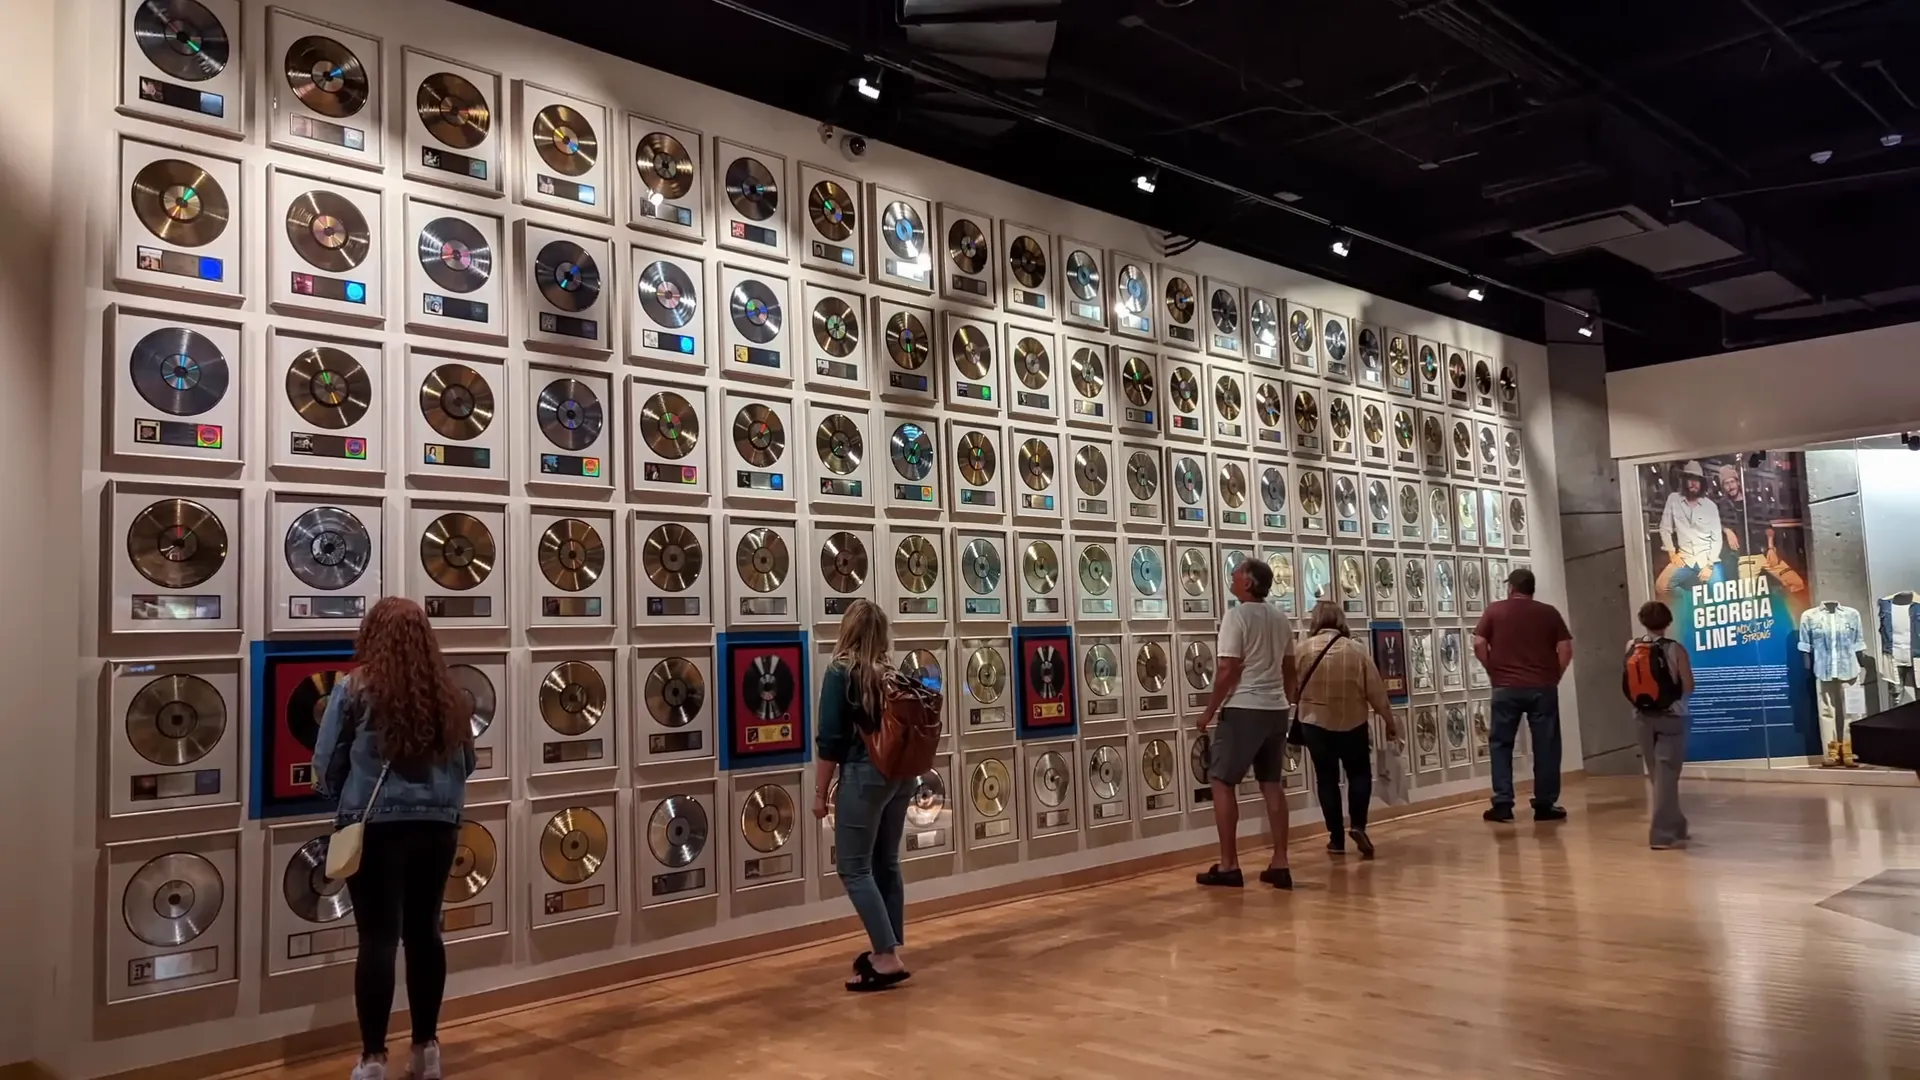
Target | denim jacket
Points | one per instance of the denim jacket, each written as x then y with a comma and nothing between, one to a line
347,762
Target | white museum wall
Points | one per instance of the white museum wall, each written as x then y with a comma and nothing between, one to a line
53,436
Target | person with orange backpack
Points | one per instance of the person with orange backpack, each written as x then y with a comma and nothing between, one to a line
877,732
1657,678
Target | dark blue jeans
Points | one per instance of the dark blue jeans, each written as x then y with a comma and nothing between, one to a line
1541,706
869,817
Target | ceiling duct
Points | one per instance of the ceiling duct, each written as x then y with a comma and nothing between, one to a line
1590,230
1007,43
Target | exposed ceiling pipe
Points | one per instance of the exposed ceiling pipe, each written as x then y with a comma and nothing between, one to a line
1806,54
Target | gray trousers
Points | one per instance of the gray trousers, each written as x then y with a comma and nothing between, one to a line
1663,746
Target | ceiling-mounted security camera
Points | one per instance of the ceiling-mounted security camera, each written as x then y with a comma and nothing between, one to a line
1911,439
827,132
853,147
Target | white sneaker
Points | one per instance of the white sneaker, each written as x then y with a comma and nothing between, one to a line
426,1062
370,1070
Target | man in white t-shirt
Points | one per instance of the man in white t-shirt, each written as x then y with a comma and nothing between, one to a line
1690,531
1250,698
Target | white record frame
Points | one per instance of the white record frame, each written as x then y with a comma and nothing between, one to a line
1189,483
1313,500
903,351
1460,451
1351,578
1346,504
492,743
178,350
1336,346
1233,494
1152,748
1028,299
463,456
745,229
759,479
295,942
1034,372
1036,458
1473,585
1273,498
554,604
1341,415
661,884
134,968
1041,599
1507,391
1187,391
843,481
1272,412
840,364
1409,513
1150,673
779,605
661,609
930,837
553,463
907,602
749,350
1083,288
1044,765
1093,472
488,913
1228,396
1307,414
1445,587
1183,320
205,91
667,323
213,267
1314,580
832,543
896,262
1403,435
1433,442
1300,335
1284,561
672,473
1266,347
970,355
992,830
991,710
586,330
1132,297
1102,656
1195,581
569,737
1493,519
1376,433
1096,595
1142,479
1513,457
1429,372
552,902
1398,361
977,447
1439,514
1383,581
301,604
1485,387
1416,586
484,602
188,771
1486,450
913,479
474,165
969,233
1370,357
1518,538
1148,578
356,292
1194,665
981,568
143,605
342,442
684,215
357,135
1136,383
454,307
1376,508
1224,317
820,249
584,189
1459,378
1087,375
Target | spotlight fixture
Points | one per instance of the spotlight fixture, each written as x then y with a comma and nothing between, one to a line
868,85
1342,248
1148,181
1892,139
1476,293
1820,157
1588,327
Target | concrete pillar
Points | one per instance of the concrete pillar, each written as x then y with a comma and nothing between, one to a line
1593,544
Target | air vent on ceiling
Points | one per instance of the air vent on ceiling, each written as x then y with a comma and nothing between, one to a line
1590,230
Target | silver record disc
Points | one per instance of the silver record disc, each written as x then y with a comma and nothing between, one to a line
454,254
904,232
476,858
1096,570
752,189
181,38
1264,322
1233,484
308,891
480,695
910,448
1150,666
667,295
1225,308
1379,505
328,548
677,831
929,800
567,276
980,566
1040,565
172,899
766,818
1195,572
1415,577
1101,670
1189,482
1143,475
1031,364
839,443
1156,764
178,371
923,668
1149,571
1083,276
1090,470
1346,499
569,414
836,326
1196,662
755,311
1089,372
175,720
1106,768
1050,775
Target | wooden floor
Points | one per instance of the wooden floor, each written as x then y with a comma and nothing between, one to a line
1773,948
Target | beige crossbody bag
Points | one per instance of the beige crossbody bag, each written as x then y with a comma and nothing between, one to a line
343,850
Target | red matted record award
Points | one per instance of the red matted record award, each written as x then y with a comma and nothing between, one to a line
1046,680
764,699
1390,656
294,690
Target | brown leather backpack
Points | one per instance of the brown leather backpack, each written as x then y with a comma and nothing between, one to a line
905,740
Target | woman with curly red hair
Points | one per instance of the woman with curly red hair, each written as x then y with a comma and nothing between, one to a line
395,749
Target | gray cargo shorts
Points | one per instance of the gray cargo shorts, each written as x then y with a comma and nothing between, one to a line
1249,738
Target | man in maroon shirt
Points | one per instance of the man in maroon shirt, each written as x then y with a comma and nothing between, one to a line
1525,647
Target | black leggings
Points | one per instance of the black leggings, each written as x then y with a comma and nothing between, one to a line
1331,750
396,897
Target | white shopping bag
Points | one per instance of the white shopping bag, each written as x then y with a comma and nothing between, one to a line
1392,783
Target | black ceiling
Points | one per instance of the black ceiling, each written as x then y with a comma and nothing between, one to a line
1443,126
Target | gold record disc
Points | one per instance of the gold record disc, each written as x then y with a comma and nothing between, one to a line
1266,401
971,352
473,683
1509,385
1193,571
671,557
1156,764
573,844
326,76
1096,569
1403,430
1150,667
976,458
1089,372
843,562
967,247
1090,470
457,551
1313,494
1482,378
1036,464
179,202
1373,424
328,388
838,443
175,720
988,785
759,435
664,165
836,327
830,209
761,560
1199,752
1180,301
1433,435
675,692
1031,364
1398,361
1040,565
986,675
1028,261
766,818
1226,397
1196,660
453,110
1340,418
475,859
177,543
669,426
1306,413
564,140
908,342
1143,475
573,697
1136,381
456,401
1233,484
1184,389
571,555
1489,446
916,564
1457,371
1462,441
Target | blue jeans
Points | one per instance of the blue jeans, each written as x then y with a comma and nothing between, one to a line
869,816
1541,706
1688,576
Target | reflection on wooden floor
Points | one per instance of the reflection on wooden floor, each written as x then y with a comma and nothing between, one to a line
1466,951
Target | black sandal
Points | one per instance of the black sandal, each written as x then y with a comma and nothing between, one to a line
871,980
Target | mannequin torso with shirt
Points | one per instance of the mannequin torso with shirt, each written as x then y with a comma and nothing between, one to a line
1832,641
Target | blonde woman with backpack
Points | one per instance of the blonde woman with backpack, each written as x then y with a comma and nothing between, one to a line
1657,679
869,810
